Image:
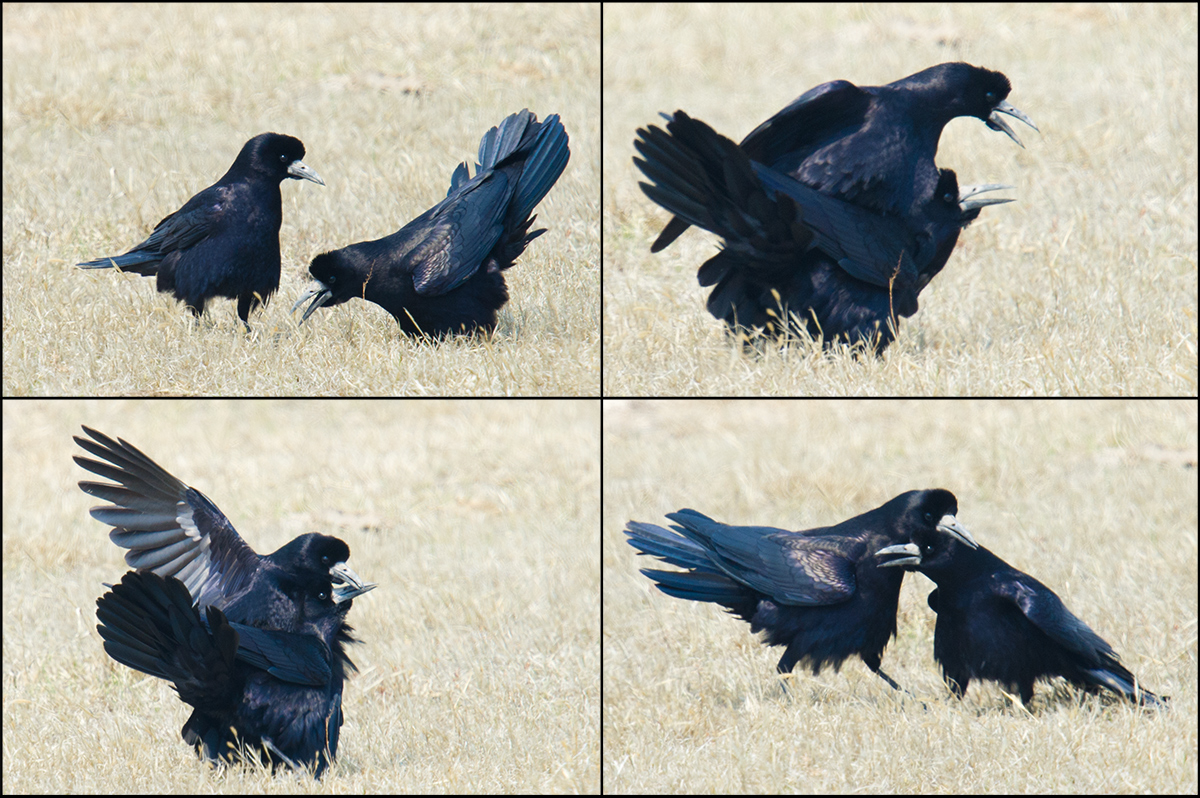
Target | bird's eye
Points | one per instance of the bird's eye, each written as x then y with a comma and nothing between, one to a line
323,595
929,518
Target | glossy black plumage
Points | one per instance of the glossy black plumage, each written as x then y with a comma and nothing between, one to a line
817,592
997,623
224,242
793,257
443,272
874,145
255,644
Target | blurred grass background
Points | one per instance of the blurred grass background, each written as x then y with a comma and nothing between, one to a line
1095,499
480,659
115,115
1086,285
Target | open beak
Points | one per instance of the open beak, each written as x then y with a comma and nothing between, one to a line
996,123
347,584
907,553
967,201
322,293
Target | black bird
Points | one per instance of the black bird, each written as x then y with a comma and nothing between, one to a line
255,644
995,622
874,145
224,242
818,592
443,271
794,257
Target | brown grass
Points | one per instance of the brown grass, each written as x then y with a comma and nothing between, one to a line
1085,286
480,667
1095,499
116,115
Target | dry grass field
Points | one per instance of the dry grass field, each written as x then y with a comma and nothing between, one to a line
116,115
480,658
1084,286
1095,499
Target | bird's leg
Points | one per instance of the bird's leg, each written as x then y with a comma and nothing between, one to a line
892,682
889,680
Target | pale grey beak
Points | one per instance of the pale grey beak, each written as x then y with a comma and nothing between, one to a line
322,293
950,526
967,202
911,552
347,584
996,123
